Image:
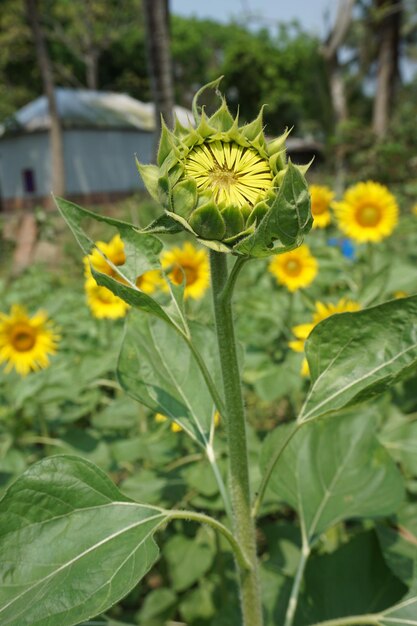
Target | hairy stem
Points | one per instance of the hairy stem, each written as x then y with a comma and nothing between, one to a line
243,525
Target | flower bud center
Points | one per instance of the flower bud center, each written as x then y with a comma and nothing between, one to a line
235,175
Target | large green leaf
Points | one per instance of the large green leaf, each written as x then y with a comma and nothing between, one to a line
352,580
157,368
353,356
71,544
398,539
141,250
399,436
334,470
404,613
287,221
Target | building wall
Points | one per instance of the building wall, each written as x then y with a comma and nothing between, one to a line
104,160
26,152
98,163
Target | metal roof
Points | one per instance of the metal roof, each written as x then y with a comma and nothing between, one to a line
84,108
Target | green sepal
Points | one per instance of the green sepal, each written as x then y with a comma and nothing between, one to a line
222,119
287,221
304,168
166,143
184,197
258,213
233,220
207,222
212,85
149,175
246,210
163,190
179,129
278,144
254,128
204,129
277,161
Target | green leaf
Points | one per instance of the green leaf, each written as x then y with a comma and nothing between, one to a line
354,356
163,225
334,470
352,580
141,250
189,559
288,219
157,368
404,613
398,540
72,545
399,436
158,607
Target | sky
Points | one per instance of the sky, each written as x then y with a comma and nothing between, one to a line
310,13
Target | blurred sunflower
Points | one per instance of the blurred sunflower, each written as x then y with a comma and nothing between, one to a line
102,302
114,251
322,312
414,209
26,342
295,269
190,263
367,212
150,281
321,198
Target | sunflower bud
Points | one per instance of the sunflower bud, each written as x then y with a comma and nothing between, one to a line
229,186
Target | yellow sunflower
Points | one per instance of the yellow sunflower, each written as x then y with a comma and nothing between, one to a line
414,209
322,311
232,173
367,212
102,302
150,281
114,251
26,342
321,198
295,269
191,263
176,428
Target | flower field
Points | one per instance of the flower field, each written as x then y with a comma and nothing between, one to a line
118,461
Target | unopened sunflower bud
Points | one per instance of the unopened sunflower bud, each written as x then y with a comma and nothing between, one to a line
228,185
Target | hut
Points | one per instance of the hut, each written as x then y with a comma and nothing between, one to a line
102,131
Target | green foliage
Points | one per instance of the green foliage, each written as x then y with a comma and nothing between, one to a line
340,507
349,473
343,367
156,370
101,539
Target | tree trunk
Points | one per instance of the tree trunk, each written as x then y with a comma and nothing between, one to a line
56,137
330,52
388,29
156,14
92,53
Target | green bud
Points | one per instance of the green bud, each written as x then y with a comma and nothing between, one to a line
222,182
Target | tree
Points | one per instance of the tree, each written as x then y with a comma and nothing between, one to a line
44,62
156,13
388,26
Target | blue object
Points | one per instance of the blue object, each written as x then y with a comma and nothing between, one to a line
345,245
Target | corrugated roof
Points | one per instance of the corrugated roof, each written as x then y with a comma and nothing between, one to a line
84,108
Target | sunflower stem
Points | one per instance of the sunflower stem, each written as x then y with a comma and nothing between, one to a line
243,524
